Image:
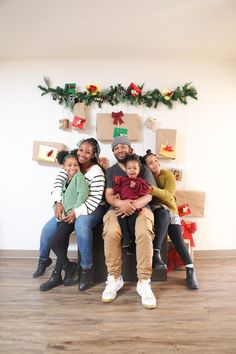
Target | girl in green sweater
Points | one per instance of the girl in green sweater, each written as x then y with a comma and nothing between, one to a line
167,220
75,191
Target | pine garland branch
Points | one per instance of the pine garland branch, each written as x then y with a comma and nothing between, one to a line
119,94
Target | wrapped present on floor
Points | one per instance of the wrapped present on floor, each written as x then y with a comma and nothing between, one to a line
105,126
173,260
184,209
166,143
188,231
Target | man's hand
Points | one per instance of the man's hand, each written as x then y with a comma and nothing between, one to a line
70,217
125,207
59,211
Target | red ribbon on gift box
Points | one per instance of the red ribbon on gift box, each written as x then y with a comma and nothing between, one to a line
188,230
50,153
117,118
168,148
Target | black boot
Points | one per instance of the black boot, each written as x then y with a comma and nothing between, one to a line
71,270
157,262
86,279
52,282
42,267
191,279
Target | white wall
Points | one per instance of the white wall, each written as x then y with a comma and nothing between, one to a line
206,138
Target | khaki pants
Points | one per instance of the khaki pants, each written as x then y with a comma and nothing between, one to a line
144,236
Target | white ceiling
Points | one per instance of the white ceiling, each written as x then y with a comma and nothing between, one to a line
47,29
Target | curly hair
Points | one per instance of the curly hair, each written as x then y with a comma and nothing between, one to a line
148,153
132,157
64,154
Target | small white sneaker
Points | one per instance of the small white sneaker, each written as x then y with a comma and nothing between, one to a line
112,286
147,297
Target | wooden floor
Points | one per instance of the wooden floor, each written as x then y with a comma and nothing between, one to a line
65,320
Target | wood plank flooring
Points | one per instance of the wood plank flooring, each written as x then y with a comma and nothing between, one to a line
64,320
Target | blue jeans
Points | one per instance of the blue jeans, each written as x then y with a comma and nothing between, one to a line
84,225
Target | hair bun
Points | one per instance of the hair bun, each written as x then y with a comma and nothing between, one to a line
148,152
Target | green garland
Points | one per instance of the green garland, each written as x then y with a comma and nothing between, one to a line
118,94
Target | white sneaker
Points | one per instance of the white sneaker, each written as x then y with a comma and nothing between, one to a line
112,286
147,297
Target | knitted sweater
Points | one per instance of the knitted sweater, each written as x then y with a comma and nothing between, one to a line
76,193
165,190
96,182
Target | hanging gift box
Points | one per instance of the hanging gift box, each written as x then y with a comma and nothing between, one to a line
78,123
177,173
151,123
166,143
103,162
70,88
64,124
120,132
167,151
196,201
184,209
45,151
105,127
80,110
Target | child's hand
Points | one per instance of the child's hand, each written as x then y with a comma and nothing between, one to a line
70,217
59,211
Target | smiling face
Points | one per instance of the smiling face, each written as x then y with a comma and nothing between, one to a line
121,151
153,163
85,154
132,169
71,166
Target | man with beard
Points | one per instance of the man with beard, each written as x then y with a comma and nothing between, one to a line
112,234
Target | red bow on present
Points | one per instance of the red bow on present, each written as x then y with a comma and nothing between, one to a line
188,230
135,90
117,118
168,148
50,153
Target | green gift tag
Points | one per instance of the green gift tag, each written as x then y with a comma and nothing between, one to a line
120,131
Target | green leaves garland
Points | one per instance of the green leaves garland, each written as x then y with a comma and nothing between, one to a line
119,94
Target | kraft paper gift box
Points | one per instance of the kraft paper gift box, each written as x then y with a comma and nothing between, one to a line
46,151
80,110
195,200
105,127
166,137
